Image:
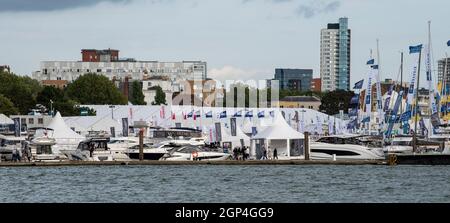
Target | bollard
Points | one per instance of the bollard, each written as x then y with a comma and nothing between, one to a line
307,149
334,157
141,145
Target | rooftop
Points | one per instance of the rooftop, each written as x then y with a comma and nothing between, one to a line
301,99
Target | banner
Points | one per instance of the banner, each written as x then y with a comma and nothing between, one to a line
233,126
368,100
113,132
218,132
125,127
17,127
379,103
359,85
254,131
415,54
393,117
433,106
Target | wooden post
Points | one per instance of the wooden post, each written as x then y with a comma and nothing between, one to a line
141,145
307,146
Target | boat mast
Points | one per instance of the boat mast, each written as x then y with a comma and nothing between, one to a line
444,87
416,104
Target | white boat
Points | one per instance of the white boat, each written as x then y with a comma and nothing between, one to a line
119,146
41,150
150,151
191,152
401,144
8,143
93,149
343,148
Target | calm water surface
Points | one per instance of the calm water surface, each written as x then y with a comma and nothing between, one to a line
175,184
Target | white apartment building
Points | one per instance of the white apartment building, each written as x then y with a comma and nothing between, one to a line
118,70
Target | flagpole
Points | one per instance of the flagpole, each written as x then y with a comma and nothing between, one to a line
401,89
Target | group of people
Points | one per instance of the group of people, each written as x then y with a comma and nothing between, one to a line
268,151
241,153
21,154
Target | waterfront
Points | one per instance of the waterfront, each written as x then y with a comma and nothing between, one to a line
206,183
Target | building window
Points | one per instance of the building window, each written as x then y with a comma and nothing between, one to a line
40,121
31,121
99,70
23,120
78,70
58,78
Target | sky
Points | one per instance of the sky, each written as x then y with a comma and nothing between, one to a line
239,39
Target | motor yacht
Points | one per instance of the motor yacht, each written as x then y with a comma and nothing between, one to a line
343,148
191,152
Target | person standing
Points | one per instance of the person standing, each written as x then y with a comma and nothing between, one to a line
275,154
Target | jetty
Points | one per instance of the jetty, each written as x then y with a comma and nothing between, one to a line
193,163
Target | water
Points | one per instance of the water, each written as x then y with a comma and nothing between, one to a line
175,184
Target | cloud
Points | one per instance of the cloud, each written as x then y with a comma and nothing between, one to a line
317,7
49,5
234,73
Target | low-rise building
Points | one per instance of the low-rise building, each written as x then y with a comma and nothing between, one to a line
310,102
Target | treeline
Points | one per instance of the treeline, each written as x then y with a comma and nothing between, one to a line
20,94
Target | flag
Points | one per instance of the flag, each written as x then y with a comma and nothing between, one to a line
355,100
366,119
238,114
371,62
359,84
272,114
162,112
415,49
261,114
249,114
190,114
223,114
184,116
405,116
173,116
209,114
375,67
448,43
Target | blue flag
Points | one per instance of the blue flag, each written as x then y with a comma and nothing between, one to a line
272,113
370,62
415,49
405,116
209,114
375,67
355,100
238,114
366,119
190,114
223,114
448,43
261,114
249,114
359,84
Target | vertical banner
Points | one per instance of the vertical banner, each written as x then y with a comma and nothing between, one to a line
17,127
113,132
125,127
218,132
414,51
433,106
233,126
393,117
379,97
368,100
254,131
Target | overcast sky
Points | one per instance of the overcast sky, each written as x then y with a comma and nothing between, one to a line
240,39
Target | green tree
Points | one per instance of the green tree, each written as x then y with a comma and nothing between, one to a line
137,97
49,93
21,91
334,101
95,89
7,107
160,98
